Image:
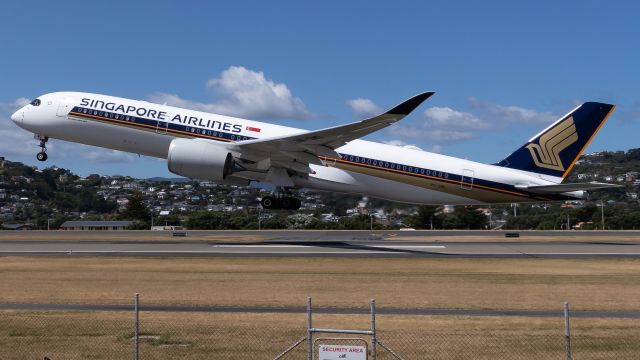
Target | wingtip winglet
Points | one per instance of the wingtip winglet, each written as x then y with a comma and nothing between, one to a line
411,104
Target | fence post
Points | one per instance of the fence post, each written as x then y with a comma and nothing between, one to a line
374,340
309,331
567,332
136,336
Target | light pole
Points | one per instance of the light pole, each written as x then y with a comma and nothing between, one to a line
602,212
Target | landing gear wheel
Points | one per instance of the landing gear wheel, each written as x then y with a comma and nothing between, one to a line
42,155
296,204
269,202
286,203
290,203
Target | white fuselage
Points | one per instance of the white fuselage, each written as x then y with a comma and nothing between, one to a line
364,167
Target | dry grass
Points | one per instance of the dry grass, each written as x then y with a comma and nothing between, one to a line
102,335
421,283
459,283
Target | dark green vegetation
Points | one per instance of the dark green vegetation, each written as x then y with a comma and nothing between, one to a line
53,195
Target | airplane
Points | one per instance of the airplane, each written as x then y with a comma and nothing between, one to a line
235,151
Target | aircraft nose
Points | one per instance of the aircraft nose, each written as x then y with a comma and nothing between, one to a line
18,116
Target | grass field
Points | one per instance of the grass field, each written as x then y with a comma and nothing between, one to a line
106,335
411,283
419,283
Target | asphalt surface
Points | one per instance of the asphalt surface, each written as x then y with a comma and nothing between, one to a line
443,244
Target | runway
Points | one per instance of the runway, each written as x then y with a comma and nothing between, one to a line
368,247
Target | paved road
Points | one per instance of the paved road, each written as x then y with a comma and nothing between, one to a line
310,247
315,235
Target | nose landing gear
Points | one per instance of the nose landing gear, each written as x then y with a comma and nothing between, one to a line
42,155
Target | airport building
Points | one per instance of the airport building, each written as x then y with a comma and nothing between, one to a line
18,226
95,225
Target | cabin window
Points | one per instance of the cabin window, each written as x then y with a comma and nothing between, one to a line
422,171
369,161
375,162
410,169
35,102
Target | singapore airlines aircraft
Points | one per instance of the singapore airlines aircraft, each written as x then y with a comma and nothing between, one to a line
236,151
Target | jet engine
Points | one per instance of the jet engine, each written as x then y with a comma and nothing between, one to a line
200,159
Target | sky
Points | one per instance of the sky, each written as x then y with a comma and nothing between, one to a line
502,70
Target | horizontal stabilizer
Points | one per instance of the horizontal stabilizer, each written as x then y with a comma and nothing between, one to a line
563,188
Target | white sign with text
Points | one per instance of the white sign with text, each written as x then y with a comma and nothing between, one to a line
342,352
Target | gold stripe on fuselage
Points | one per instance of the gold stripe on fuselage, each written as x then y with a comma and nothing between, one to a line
477,192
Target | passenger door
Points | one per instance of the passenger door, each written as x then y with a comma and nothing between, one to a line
63,108
161,125
466,183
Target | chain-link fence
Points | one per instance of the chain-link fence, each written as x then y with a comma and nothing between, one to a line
216,335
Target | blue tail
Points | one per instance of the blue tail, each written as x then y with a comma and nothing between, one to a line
554,151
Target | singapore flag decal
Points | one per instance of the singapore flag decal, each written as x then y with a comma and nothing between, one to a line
254,129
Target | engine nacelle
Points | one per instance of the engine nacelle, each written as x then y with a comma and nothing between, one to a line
200,159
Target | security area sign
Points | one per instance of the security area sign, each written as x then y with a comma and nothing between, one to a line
342,352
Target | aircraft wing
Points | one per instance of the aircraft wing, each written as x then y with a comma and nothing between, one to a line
295,152
562,188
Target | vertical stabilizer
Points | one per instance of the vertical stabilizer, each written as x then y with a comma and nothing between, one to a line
554,150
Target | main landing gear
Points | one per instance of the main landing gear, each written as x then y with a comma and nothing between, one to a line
280,200
42,155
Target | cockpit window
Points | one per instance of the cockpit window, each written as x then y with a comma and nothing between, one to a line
35,102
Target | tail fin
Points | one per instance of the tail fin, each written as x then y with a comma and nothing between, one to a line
554,150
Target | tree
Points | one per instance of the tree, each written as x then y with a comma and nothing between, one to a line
136,210
424,218
465,217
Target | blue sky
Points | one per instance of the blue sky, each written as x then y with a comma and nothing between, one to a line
501,70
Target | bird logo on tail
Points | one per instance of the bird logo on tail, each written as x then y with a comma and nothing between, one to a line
546,154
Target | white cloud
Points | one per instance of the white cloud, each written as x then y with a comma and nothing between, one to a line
506,115
106,156
15,141
403,144
447,118
245,93
439,126
364,107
